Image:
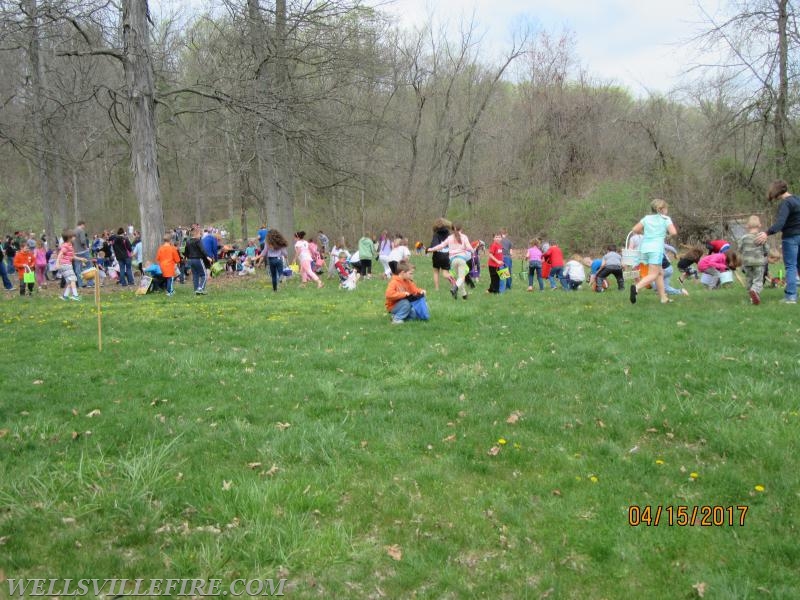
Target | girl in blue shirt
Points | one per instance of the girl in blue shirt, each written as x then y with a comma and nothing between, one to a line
655,227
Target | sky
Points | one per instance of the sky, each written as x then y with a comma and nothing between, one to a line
638,44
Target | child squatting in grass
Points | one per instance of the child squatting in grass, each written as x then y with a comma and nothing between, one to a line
400,291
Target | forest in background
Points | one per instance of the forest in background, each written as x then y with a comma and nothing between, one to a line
329,116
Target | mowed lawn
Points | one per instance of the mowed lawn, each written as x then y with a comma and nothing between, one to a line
491,452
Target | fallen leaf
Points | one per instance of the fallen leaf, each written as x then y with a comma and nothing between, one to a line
37,382
450,438
272,471
75,435
68,521
3,540
600,423
4,432
556,492
680,324
254,465
226,485
462,397
282,426
494,451
700,588
74,412
93,413
513,417
651,430
364,443
179,477
395,552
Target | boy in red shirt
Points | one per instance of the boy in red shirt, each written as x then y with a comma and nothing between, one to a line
399,292
495,262
555,257
167,257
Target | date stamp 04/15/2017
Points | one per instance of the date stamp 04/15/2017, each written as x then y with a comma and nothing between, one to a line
687,516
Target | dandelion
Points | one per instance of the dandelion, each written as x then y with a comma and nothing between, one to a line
502,441
693,475
659,461
759,488
593,478
517,446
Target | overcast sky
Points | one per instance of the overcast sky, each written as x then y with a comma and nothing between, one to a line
635,43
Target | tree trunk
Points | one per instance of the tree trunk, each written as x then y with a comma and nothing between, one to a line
783,90
42,142
141,104
270,144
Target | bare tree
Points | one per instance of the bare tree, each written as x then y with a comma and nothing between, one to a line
757,38
141,105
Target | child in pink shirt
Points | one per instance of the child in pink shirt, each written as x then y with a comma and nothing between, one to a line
535,264
40,264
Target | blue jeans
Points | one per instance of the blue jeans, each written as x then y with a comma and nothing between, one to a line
198,274
77,265
505,284
169,283
6,281
275,269
403,311
125,272
535,268
557,272
791,259
668,272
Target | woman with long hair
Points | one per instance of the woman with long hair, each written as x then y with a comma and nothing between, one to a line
459,251
275,253
441,260
787,221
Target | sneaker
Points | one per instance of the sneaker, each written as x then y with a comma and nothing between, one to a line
633,294
170,294
530,288
63,297
75,298
789,301
397,321
754,297
453,291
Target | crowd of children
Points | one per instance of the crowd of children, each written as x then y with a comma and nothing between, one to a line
646,260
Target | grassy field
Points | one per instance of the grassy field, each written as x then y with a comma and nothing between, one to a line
491,452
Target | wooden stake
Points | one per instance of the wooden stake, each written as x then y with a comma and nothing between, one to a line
99,313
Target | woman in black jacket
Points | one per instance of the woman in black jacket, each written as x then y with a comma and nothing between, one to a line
441,260
199,261
122,249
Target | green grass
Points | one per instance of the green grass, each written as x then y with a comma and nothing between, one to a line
388,442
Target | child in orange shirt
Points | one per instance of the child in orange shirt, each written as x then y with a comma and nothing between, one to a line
167,258
24,260
399,293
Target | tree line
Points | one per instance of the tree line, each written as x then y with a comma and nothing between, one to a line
329,115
